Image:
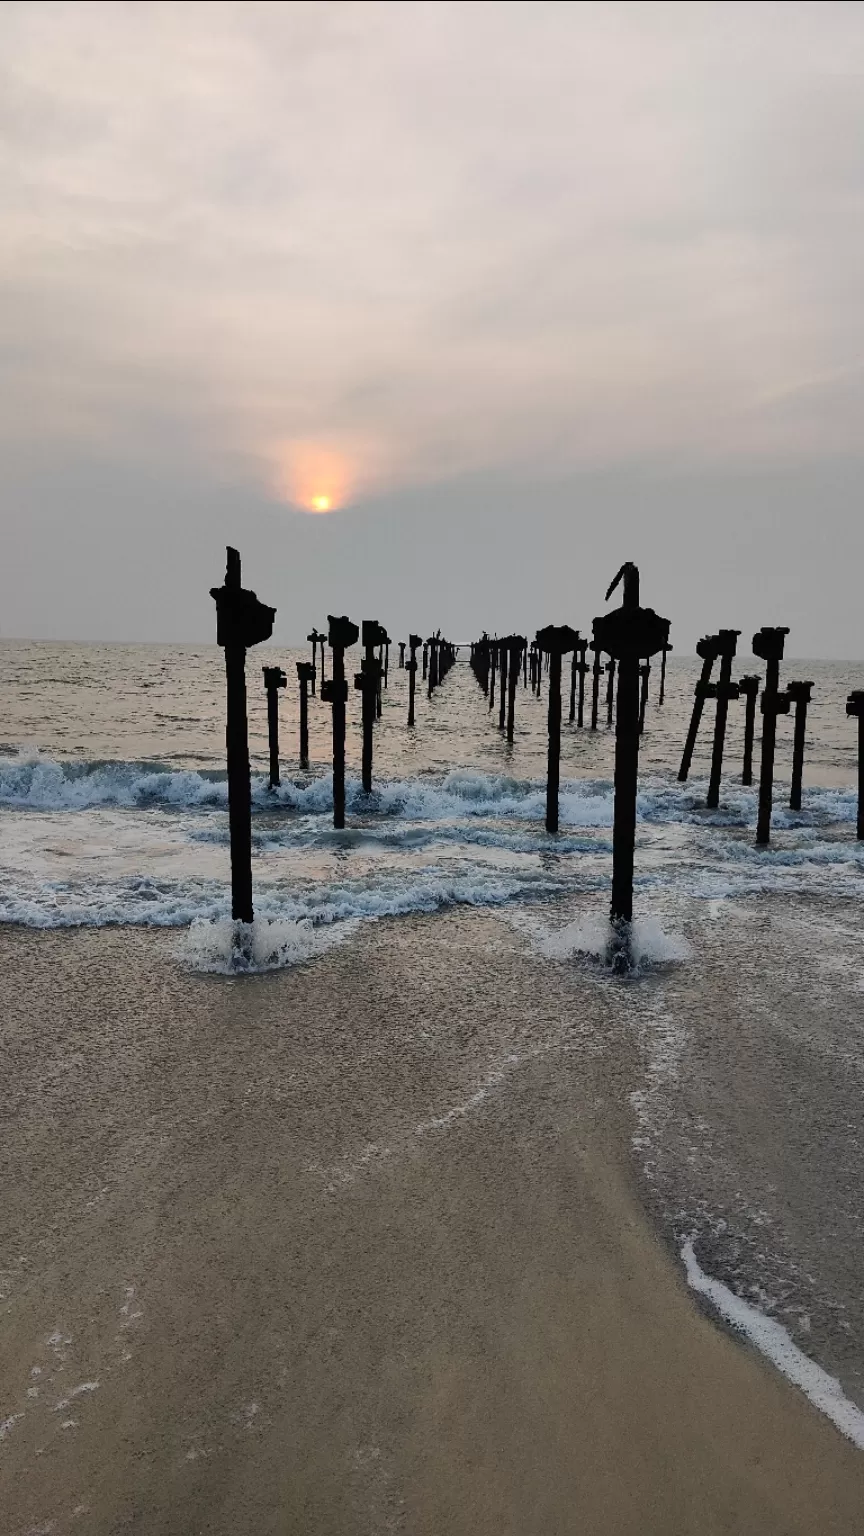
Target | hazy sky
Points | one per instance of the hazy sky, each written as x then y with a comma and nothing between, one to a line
521,289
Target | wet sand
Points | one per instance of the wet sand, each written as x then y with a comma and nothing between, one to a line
356,1248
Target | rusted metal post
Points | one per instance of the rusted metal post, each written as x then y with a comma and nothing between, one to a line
723,690
582,668
597,669
666,649
274,679
610,689
644,673
315,639
707,649
516,646
413,642
769,644
367,682
305,675
335,692
241,622
799,694
432,669
855,707
749,686
556,640
626,634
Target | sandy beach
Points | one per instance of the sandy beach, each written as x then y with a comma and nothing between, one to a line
357,1247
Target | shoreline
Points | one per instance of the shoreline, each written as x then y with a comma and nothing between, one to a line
359,1246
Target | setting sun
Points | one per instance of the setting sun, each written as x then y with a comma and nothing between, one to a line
321,503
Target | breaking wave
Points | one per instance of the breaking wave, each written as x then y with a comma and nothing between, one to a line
31,782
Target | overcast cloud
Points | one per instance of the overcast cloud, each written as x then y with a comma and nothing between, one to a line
523,290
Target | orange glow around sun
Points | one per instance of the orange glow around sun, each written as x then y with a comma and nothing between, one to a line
314,477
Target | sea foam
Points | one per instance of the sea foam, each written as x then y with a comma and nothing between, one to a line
824,1392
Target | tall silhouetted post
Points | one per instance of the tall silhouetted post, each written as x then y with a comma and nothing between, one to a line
555,641
241,621
583,668
723,690
367,682
610,689
314,639
425,659
769,644
627,634
432,670
305,676
502,685
595,685
574,675
666,649
707,649
516,646
413,642
855,707
644,673
402,655
274,679
493,662
799,695
749,686
525,664
335,692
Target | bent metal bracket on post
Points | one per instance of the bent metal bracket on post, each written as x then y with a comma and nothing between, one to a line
342,634
241,622
627,634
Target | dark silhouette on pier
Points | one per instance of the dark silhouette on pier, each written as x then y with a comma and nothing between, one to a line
707,648
769,644
726,644
644,674
626,635
316,639
414,642
305,677
555,641
241,621
334,691
855,707
274,679
798,693
596,673
664,653
748,687
368,683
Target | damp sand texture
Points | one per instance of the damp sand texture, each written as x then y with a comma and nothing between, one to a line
354,1248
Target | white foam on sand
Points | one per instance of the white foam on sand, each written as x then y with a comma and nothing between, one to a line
824,1392
228,948
593,935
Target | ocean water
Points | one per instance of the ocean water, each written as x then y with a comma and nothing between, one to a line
747,1016
113,797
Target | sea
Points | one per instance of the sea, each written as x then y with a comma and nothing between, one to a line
746,1007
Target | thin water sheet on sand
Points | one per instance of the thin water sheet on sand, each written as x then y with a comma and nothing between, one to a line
355,1247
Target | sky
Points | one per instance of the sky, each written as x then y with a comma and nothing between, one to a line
439,312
